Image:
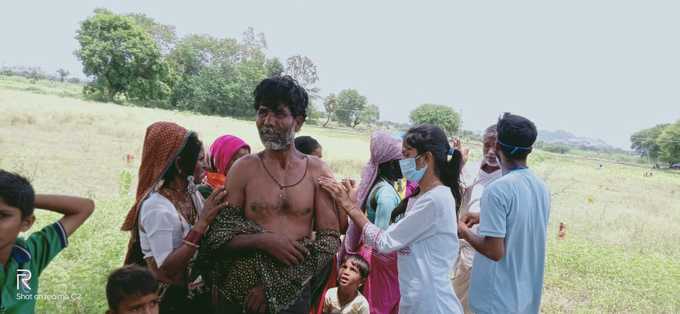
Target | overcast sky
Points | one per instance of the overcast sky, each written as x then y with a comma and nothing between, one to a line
601,69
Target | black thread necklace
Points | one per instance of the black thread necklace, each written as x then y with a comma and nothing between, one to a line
282,187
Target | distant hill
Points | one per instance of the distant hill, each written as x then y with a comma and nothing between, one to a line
567,138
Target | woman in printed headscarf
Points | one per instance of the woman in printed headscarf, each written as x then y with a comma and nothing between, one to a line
224,152
377,196
169,217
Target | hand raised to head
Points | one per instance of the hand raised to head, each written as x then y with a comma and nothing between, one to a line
464,151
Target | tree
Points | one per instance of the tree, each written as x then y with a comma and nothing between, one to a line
669,143
370,115
195,52
350,105
221,89
252,44
645,142
120,58
35,74
63,74
442,116
313,113
191,57
303,70
274,67
164,35
217,76
329,105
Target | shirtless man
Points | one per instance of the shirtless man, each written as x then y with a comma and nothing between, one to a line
278,187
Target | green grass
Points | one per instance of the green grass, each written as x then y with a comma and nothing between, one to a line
46,87
583,276
621,252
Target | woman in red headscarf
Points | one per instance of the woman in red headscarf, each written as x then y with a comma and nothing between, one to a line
224,152
169,216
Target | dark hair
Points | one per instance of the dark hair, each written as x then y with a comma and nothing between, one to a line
491,130
276,90
516,135
389,171
306,144
430,138
16,191
360,262
188,158
129,281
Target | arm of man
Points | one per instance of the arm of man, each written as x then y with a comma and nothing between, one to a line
491,247
237,179
343,219
326,212
492,225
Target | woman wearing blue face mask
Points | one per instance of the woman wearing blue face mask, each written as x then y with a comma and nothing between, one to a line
426,236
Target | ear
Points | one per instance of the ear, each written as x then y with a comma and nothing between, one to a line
430,158
27,223
299,122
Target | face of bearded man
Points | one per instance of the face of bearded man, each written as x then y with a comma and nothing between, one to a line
276,139
490,158
276,128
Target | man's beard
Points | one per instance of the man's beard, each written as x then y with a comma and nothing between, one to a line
492,162
274,139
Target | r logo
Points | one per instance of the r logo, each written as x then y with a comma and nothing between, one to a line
23,279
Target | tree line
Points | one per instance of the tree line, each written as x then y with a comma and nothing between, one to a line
660,143
133,58
34,74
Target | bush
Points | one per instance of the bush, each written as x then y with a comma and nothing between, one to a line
556,148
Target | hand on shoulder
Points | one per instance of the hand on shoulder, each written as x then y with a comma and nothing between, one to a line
319,168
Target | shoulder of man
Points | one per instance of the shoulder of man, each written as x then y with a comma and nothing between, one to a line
537,178
246,161
318,166
500,183
244,165
541,183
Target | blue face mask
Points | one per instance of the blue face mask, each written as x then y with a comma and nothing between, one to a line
408,169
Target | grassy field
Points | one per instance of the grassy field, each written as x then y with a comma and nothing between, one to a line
621,252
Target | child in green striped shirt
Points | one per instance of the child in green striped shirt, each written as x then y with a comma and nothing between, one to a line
23,260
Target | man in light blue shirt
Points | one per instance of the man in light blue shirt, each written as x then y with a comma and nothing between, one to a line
507,274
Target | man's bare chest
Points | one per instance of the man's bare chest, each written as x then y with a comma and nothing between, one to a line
263,195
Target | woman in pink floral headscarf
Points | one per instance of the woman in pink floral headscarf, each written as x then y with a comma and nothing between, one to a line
377,196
